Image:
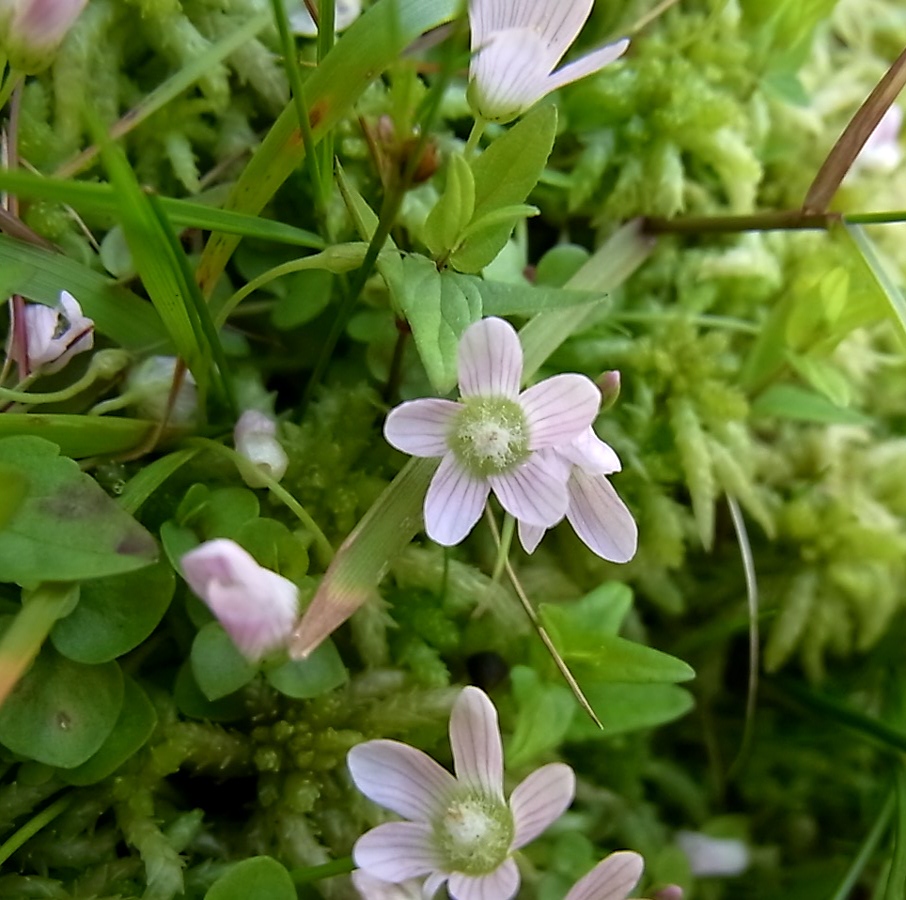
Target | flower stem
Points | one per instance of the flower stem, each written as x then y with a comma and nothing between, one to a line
474,137
33,826
866,851
22,641
540,630
6,89
503,549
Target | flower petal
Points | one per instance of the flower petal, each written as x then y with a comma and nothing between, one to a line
541,799
534,493
400,778
530,536
454,502
557,24
475,739
587,65
611,879
371,888
591,453
601,518
559,409
490,360
396,851
420,427
501,884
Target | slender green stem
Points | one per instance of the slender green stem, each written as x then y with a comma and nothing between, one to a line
896,879
326,34
33,826
474,137
284,496
14,396
310,874
503,550
6,89
22,641
865,852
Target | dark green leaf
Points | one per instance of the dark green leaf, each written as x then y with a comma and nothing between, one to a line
219,668
258,878
629,707
318,673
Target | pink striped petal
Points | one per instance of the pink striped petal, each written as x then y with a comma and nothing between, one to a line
400,778
454,502
371,888
611,879
559,409
421,427
541,799
591,453
600,517
475,739
501,884
490,360
397,851
587,65
535,492
530,536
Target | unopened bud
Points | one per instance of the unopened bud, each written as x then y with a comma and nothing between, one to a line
609,385
109,363
255,437
31,31
668,892
150,385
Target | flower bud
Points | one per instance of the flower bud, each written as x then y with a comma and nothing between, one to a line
53,335
256,441
256,607
31,31
609,385
149,387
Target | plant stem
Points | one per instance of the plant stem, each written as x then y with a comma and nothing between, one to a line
33,826
503,550
474,137
865,852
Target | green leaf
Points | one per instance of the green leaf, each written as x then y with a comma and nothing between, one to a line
61,712
115,614
600,656
545,712
193,703
499,298
505,174
453,211
79,436
67,529
824,376
258,878
150,477
275,547
134,725
629,707
218,666
13,491
439,308
318,673
788,401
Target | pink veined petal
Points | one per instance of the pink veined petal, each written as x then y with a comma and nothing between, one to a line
475,739
397,851
535,492
501,884
591,454
530,536
557,23
454,502
541,799
40,324
421,427
587,65
559,409
371,888
433,883
400,778
601,518
611,879
490,360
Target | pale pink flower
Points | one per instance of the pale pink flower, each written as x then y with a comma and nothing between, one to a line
256,607
460,830
595,510
54,334
255,437
31,31
611,879
371,888
516,44
489,439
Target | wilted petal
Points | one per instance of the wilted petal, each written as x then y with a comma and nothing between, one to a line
611,879
421,427
600,517
475,739
256,607
591,453
535,492
490,360
559,409
530,536
501,884
400,778
454,502
541,799
587,65
397,851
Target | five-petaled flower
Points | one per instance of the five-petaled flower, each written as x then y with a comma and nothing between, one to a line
515,46
256,607
54,334
461,830
596,512
490,439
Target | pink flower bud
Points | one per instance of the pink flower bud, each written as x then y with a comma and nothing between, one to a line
609,386
255,439
31,31
257,607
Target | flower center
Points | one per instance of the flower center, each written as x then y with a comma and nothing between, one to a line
474,834
490,435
